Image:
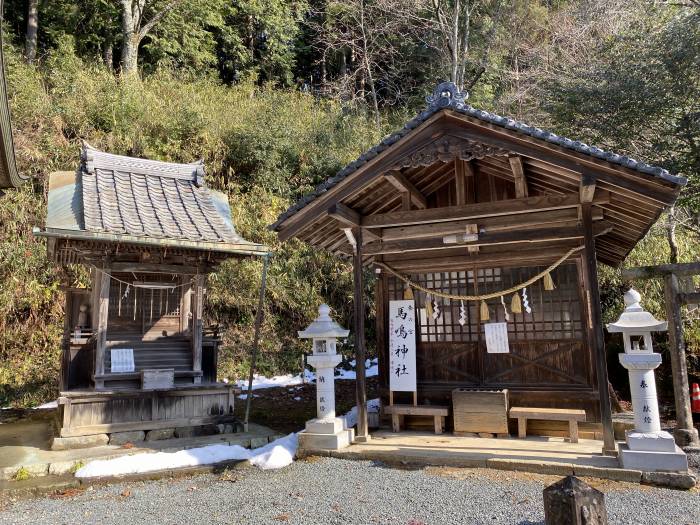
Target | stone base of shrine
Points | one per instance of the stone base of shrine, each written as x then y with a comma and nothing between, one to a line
322,434
653,461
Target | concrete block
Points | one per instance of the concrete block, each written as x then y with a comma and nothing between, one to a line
161,433
615,474
34,470
670,480
651,441
531,465
653,461
61,468
185,432
258,442
317,426
309,441
68,443
120,438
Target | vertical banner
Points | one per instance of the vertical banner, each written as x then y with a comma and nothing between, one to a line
402,346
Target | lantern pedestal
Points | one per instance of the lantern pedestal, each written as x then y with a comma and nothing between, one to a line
326,432
648,448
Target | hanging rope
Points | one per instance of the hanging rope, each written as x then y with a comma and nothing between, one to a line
168,286
483,297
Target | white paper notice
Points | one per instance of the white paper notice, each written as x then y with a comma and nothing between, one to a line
497,338
402,346
122,360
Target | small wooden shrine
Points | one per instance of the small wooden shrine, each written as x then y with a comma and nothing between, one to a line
484,234
136,354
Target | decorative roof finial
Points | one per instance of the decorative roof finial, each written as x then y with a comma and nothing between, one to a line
445,95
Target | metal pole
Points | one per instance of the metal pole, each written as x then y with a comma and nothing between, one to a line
254,357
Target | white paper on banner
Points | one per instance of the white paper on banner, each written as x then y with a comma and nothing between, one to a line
402,346
122,360
497,338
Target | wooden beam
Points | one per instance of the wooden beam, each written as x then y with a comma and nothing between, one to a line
405,201
516,164
486,239
587,187
689,298
594,327
661,270
567,216
475,211
460,182
349,217
197,325
358,299
101,329
128,267
401,183
345,214
685,433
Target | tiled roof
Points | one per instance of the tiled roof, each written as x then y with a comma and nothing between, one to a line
447,96
147,198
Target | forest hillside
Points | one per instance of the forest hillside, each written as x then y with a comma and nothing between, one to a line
276,96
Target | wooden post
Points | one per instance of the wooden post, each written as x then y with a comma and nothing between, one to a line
595,327
197,307
102,314
685,433
256,338
360,387
573,502
185,306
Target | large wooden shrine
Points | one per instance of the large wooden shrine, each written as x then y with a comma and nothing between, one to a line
136,354
483,220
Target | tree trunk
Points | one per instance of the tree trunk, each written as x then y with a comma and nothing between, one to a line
368,68
130,42
671,235
108,56
32,30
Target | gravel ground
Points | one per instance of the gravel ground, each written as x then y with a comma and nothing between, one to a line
332,491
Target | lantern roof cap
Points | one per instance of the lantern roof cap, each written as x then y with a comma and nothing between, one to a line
634,317
323,326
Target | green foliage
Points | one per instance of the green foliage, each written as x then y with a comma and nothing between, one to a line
261,146
21,475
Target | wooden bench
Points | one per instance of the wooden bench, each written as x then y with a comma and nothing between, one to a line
439,413
551,414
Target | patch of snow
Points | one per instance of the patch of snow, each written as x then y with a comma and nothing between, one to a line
350,418
275,455
371,369
245,396
50,404
297,398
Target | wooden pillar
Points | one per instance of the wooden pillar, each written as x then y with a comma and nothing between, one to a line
101,327
360,386
185,307
685,433
595,327
197,324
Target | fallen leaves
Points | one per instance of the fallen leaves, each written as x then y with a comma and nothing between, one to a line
128,445
67,493
282,517
125,493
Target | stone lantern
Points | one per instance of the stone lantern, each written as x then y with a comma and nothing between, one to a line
326,431
648,448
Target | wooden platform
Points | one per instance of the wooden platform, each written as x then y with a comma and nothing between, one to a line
542,455
90,412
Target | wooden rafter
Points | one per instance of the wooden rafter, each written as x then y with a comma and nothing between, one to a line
516,164
401,183
536,235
